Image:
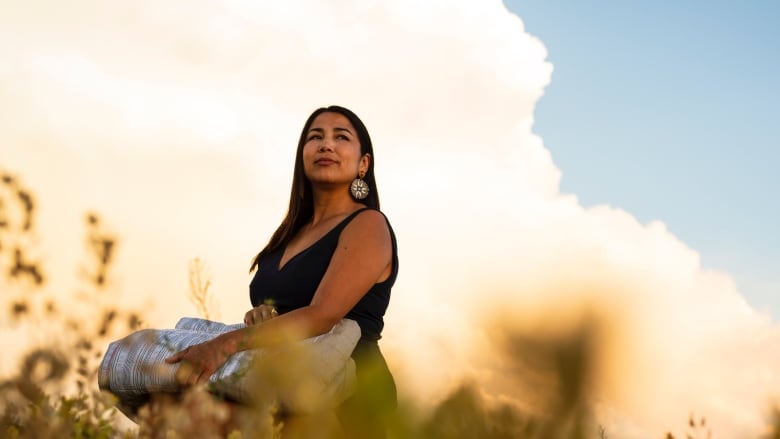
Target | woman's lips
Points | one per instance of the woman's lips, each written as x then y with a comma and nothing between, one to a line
325,162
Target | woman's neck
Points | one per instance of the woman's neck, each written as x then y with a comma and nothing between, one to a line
328,205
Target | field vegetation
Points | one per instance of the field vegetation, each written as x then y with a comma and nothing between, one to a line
53,392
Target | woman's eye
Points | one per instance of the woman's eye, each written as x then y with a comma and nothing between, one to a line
343,137
314,137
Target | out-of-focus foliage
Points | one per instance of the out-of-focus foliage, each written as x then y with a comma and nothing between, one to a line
54,392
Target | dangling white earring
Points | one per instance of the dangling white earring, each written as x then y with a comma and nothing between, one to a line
359,188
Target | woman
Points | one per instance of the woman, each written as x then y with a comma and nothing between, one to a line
333,256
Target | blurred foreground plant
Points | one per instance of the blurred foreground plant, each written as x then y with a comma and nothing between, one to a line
54,392
199,289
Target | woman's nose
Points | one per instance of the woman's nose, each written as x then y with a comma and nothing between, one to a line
325,145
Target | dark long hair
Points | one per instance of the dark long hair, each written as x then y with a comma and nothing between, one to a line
301,206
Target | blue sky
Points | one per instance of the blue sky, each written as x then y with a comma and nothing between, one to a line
668,109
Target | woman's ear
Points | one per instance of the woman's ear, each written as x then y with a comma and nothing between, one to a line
364,162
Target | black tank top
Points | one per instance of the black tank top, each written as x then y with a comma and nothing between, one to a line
294,285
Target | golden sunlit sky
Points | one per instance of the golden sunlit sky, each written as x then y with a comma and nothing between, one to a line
177,122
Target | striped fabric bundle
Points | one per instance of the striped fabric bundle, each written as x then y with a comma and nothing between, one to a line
312,374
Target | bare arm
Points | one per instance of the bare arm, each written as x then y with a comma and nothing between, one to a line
363,257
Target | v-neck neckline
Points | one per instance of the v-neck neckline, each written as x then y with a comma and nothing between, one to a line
310,246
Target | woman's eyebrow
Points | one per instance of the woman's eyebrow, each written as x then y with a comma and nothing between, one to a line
320,130
343,129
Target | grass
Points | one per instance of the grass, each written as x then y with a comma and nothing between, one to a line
54,393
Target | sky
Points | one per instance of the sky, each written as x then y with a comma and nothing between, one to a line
667,109
177,123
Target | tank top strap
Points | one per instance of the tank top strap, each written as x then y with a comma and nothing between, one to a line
340,226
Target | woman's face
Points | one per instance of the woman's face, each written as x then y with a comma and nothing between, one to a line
331,154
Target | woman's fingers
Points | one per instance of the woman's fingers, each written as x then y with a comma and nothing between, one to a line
260,314
175,358
265,313
183,373
198,362
194,377
204,376
188,375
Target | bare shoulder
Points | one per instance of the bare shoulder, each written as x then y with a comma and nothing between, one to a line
368,223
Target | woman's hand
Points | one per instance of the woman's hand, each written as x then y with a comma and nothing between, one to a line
260,314
200,361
